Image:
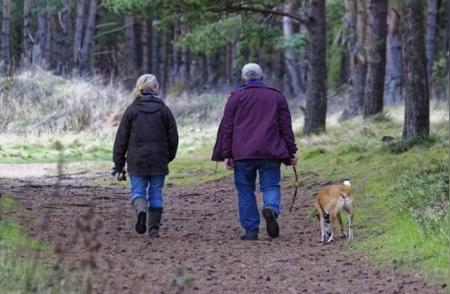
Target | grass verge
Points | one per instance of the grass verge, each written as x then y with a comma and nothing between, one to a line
25,266
400,191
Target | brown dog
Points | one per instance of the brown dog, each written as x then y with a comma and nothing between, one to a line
329,204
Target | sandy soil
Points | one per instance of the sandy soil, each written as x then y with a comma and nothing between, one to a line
199,250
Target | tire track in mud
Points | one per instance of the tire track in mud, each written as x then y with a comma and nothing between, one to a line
199,250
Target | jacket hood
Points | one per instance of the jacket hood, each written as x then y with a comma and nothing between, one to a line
149,103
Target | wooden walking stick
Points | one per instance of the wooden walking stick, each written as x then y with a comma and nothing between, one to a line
296,189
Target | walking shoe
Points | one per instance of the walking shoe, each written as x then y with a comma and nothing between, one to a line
140,204
247,237
271,222
154,220
140,224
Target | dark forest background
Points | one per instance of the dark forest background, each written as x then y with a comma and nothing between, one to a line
375,52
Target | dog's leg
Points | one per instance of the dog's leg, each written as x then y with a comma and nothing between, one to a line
332,223
341,226
350,225
322,229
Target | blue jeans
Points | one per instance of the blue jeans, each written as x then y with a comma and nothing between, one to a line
148,187
269,181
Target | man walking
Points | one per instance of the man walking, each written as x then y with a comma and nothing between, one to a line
255,136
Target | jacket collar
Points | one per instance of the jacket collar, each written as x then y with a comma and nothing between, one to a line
150,97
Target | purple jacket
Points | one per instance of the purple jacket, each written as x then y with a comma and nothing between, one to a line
256,124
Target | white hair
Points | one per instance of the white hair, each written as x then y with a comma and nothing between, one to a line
252,71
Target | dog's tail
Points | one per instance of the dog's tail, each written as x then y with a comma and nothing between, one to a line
347,183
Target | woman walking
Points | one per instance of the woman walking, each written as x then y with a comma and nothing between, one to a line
147,140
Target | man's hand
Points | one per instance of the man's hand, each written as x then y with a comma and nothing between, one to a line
294,160
118,171
228,163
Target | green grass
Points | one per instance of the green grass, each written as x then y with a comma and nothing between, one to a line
24,263
386,228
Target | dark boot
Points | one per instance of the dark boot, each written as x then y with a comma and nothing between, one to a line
271,222
249,237
140,204
154,220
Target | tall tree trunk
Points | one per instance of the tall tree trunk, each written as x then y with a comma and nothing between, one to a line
393,88
291,62
373,96
280,69
88,37
6,18
27,34
165,61
212,62
432,8
146,41
415,88
448,51
185,56
228,64
176,53
156,53
344,71
79,28
63,40
48,40
235,77
138,47
130,49
349,25
316,95
359,56
40,40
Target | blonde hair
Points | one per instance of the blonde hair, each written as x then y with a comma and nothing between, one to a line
146,83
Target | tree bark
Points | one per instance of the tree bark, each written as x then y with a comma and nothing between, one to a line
373,95
185,55
138,47
393,83
156,53
415,88
27,34
78,36
212,61
316,97
432,8
279,69
146,41
49,38
130,49
359,58
40,40
165,61
290,60
448,52
6,20
63,40
88,35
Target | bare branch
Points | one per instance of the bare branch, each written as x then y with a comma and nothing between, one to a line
262,10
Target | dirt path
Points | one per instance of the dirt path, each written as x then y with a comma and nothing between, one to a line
200,250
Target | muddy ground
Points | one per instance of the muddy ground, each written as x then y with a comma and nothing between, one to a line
199,250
